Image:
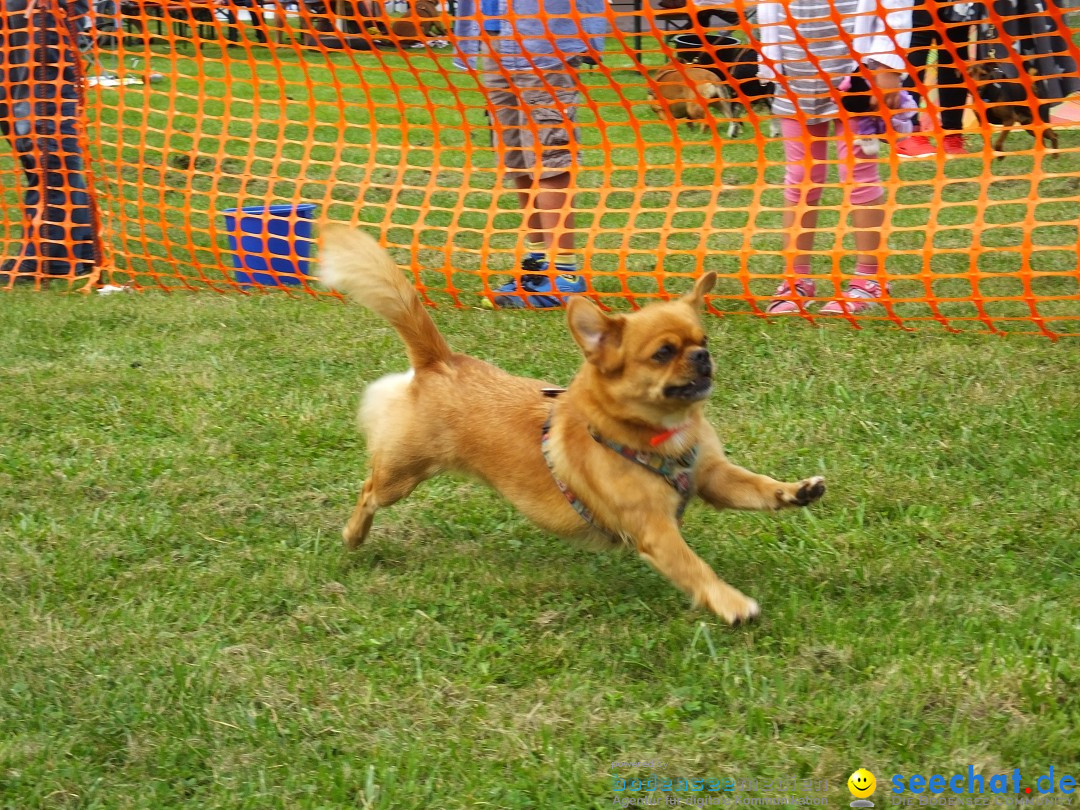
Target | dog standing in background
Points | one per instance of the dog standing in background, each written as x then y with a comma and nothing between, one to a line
1008,103
410,32
735,68
685,93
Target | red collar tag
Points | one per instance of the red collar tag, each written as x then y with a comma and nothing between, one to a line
660,438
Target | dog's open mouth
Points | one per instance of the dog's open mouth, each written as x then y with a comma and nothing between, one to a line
698,389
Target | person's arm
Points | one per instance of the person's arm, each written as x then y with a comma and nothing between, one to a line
769,16
882,32
889,82
594,23
882,35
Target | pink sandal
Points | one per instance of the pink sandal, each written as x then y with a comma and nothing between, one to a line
861,295
786,303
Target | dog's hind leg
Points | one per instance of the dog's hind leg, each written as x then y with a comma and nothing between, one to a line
385,486
735,128
401,451
999,143
1049,135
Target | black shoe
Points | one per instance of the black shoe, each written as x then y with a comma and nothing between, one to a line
532,270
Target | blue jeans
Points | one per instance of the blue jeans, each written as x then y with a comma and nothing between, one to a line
42,115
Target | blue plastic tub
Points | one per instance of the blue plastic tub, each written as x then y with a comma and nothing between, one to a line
271,244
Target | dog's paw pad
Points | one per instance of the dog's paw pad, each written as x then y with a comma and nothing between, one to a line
809,491
732,606
749,610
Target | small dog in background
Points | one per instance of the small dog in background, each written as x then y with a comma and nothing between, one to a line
612,460
1008,103
743,69
410,34
735,67
684,93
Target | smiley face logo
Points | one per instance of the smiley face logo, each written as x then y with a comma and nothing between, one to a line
862,784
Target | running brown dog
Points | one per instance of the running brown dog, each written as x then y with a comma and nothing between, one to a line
612,460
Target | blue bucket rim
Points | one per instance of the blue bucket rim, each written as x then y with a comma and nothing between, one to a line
275,209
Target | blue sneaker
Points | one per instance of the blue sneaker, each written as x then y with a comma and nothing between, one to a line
566,283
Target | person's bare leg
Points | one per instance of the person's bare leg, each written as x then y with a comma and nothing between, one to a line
868,221
800,222
547,215
526,202
804,239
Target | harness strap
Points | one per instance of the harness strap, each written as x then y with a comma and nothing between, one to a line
677,471
576,502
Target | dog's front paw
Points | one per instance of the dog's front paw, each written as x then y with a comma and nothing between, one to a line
803,493
730,605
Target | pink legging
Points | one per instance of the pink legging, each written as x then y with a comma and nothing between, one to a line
867,181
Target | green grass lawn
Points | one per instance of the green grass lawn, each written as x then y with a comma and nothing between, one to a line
179,626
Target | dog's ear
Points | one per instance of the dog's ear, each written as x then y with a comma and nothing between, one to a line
696,297
598,335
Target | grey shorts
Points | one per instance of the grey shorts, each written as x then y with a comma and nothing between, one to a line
524,113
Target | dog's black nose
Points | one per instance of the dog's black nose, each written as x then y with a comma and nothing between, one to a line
702,361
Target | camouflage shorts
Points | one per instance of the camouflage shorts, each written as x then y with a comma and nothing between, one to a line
528,113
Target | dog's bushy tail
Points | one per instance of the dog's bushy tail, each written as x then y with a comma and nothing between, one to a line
353,263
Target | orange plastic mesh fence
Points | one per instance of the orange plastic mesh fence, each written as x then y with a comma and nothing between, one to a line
216,134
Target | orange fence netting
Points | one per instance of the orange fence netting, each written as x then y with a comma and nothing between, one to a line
196,144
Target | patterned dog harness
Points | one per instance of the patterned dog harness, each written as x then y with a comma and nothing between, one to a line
678,471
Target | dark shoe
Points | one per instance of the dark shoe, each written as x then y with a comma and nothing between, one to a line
566,283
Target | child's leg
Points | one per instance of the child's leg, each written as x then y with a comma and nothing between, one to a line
867,218
867,197
800,138
797,191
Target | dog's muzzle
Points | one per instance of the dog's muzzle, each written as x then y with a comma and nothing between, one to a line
701,364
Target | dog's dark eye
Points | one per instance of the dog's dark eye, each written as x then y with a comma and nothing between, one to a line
664,353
